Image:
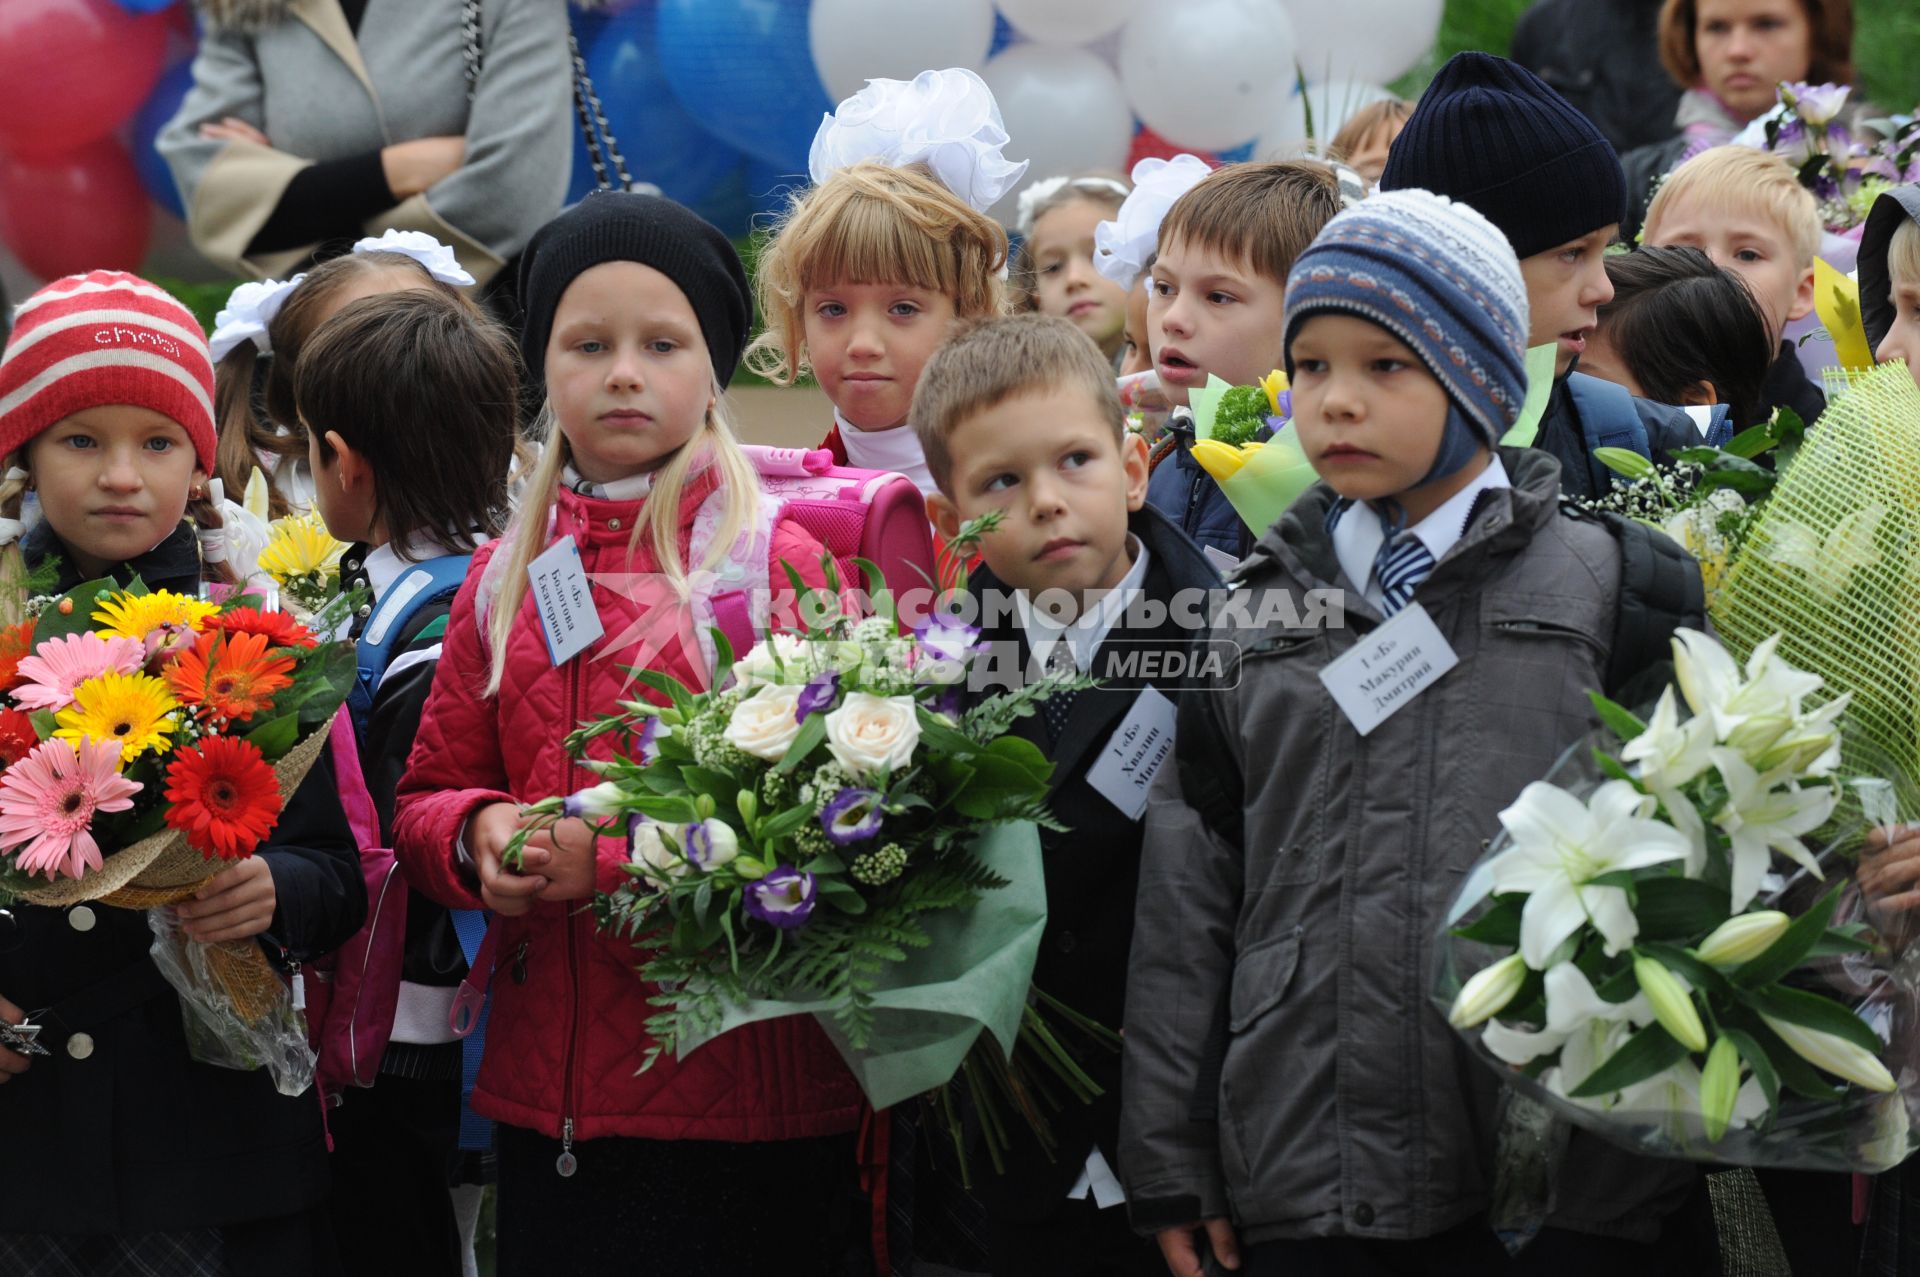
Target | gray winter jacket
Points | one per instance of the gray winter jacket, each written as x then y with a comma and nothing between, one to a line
1282,1064
294,70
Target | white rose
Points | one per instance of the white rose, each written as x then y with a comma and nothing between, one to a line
709,843
650,852
873,733
765,723
757,668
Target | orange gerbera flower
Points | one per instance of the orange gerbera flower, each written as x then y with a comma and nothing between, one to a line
229,676
17,737
16,644
223,796
280,629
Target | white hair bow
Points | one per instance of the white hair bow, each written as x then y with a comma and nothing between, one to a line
946,120
438,259
1122,246
1034,200
249,310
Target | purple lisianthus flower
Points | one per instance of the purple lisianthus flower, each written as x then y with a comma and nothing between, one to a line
853,815
647,743
818,694
1816,103
709,843
784,898
943,648
946,701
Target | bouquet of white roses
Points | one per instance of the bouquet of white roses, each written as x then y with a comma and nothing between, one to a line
1667,948
827,832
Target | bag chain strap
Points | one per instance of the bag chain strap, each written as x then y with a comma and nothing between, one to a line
602,149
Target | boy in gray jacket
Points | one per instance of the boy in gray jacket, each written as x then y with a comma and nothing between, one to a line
1287,1087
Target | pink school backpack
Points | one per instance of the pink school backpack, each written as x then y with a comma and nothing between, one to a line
867,514
351,993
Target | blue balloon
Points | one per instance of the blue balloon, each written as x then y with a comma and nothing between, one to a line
160,106
745,70
145,6
662,143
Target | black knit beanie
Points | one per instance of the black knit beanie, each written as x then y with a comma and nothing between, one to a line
619,226
1490,133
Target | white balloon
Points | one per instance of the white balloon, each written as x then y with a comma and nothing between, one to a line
1068,21
1371,40
854,41
1207,74
1064,109
1286,133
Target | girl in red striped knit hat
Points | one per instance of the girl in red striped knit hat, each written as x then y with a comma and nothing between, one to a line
125,1154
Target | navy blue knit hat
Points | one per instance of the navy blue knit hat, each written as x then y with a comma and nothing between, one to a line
1490,133
1441,278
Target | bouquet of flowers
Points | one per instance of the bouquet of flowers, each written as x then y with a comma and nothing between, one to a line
1709,497
1845,165
1665,946
827,832
148,739
1244,438
303,559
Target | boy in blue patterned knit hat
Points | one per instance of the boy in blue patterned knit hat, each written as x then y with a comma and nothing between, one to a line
1291,1098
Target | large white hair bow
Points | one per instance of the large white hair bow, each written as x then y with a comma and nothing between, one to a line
249,310
1122,246
421,247
946,120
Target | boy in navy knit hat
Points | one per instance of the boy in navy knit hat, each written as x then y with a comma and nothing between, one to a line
1491,134
1289,1090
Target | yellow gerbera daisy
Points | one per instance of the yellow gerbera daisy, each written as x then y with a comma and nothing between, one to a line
135,616
298,546
133,709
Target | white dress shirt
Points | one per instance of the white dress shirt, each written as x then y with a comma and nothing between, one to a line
1357,534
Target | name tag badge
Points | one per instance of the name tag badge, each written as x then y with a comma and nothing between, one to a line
1133,755
1391,666
568,619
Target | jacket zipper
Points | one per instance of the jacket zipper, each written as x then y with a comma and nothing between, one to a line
566,1164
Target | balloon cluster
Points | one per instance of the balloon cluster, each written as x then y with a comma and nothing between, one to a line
83,90
716,101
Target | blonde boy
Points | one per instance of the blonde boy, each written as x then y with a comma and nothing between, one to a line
1747,211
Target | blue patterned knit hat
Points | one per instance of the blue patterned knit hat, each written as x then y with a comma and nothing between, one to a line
1444,280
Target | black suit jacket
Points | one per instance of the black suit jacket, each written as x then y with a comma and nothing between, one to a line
1092,870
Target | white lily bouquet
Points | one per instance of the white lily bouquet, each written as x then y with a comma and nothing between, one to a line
1665,945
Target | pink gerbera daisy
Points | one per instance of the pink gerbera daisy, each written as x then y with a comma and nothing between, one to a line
59,665
48,800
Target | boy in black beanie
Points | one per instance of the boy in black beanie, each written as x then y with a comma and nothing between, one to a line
1490,133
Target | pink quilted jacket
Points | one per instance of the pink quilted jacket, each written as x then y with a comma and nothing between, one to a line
567,1032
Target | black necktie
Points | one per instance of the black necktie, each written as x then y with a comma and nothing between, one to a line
1055,709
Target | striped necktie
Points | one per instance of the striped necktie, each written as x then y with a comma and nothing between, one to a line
1402,564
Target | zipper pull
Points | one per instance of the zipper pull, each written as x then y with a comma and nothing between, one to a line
566,1163
519,971
299,988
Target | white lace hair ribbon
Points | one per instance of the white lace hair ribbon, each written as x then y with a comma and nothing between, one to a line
438,259
1122,246
946,120
249,311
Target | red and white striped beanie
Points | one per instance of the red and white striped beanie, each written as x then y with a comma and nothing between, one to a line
103,338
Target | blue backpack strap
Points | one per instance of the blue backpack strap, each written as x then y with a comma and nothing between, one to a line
422,584
476,1132
1608,418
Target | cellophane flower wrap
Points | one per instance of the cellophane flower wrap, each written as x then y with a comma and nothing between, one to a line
149,739
828,833
1666,945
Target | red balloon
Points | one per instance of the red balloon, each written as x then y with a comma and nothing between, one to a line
1150,145
72,71
66,214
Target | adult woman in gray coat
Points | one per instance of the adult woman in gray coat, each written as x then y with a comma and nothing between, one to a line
314,122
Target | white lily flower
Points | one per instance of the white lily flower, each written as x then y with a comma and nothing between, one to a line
1487,991
1765,813
1560,845
1742,938
1751,709
1573,1006
1834,1055
1670,753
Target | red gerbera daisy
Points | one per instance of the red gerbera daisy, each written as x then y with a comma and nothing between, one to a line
223,796
16,644
280,629
229,676
17,737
